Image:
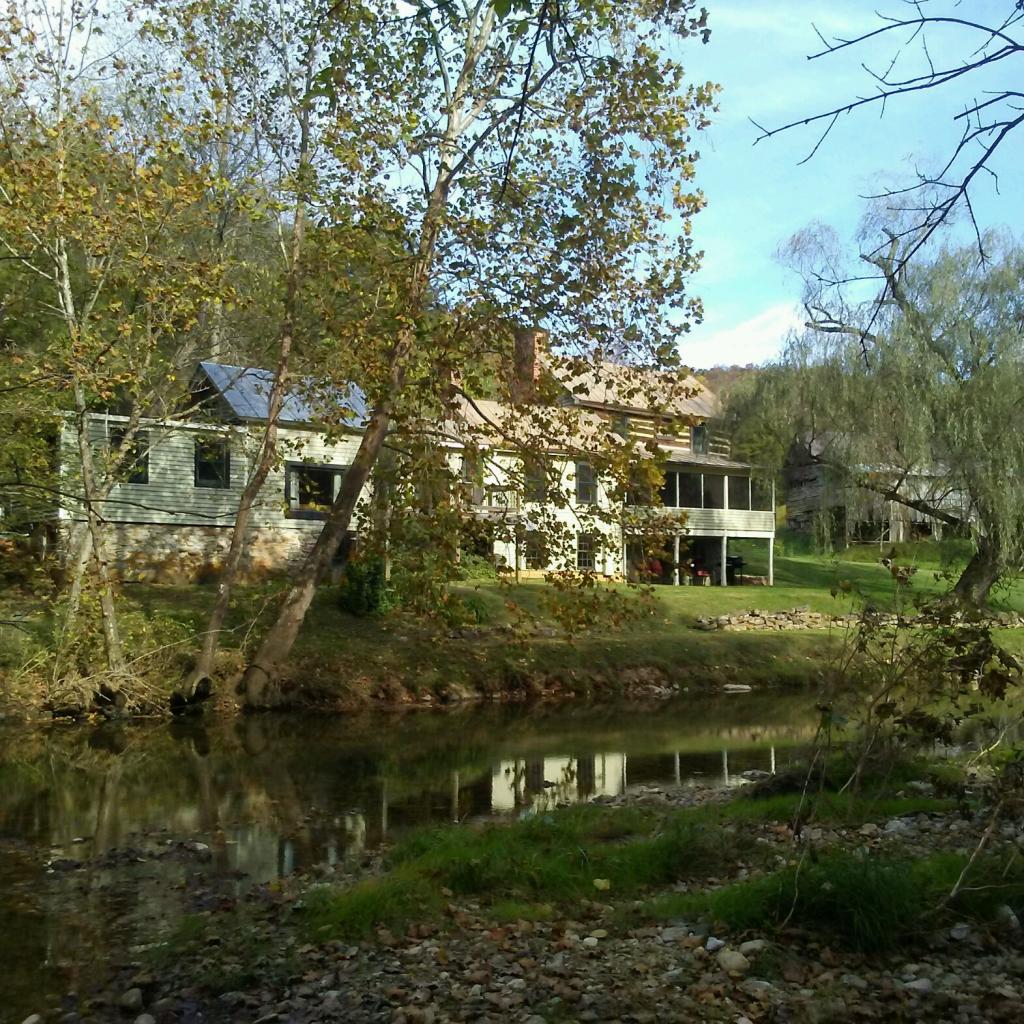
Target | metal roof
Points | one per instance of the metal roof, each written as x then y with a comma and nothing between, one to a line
687,458
246,389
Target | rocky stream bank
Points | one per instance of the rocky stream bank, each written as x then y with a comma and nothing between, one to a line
247,956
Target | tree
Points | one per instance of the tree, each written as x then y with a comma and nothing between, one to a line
262,59
990,114
94,217
938,401
530,146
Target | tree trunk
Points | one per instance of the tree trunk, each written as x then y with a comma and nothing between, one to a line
199,682
260,682
201,674
980,575
93,496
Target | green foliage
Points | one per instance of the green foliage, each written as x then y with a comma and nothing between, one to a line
557,859
905,399
159,647
363,589
474,567
577,601
869,903
388,902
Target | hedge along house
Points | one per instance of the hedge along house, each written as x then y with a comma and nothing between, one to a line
171,514
639,410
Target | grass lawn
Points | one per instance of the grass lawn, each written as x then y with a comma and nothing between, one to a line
342,657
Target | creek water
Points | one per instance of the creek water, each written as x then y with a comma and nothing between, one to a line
104,831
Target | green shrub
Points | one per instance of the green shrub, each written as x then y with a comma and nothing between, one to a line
475,567
363,588
475,609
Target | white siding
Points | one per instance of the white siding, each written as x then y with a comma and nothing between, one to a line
171,496
735,522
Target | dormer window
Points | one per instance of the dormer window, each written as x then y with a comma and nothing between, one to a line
699,439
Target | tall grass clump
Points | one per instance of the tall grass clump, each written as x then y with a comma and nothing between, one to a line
389,902
870,904
551,860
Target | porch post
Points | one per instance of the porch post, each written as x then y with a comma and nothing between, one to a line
771,561
725,549
675,560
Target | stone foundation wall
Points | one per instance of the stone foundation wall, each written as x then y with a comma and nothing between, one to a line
149,553
804,618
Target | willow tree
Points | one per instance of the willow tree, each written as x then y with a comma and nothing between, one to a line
962,53
541,156
932,419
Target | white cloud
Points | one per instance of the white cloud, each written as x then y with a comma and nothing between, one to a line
755,340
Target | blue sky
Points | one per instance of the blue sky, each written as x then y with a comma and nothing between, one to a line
760,196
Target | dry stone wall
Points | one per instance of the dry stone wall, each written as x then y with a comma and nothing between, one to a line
179,555
804,618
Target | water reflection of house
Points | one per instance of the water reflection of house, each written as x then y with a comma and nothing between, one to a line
539,784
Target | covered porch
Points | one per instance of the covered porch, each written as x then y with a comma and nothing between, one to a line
720,560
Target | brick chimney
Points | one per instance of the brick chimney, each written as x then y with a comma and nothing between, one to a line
525,363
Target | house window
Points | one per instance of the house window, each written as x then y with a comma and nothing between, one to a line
535,480
620,424
586,484
310,490
535,550
585,552
739,492
714,491
691,490
212,462
473,479
135,468
699,439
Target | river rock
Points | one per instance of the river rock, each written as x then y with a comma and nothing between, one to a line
753,947
34,1019
1007,919
960,931
922,986
713,945
131,1000
145,1018
733,961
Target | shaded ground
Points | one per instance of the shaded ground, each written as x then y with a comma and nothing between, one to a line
343,660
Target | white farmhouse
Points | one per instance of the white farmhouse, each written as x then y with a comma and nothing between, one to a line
172,512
